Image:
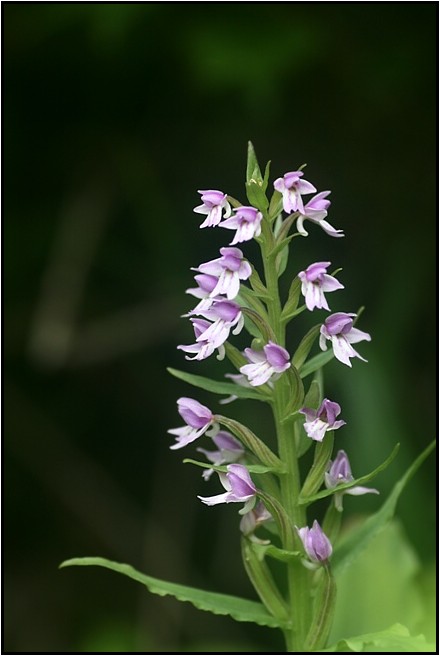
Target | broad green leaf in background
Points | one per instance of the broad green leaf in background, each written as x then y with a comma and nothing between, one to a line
218,387
396,639
239,609
381,588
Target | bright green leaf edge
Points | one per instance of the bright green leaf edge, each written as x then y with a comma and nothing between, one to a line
353,483
395,639
242,610
356,541
252,469
218,387
316,363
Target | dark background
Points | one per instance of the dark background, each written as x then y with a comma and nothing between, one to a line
114,115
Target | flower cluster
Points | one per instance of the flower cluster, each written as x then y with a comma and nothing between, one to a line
220,312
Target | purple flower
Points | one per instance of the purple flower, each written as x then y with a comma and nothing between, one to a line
322,420
214,202
205,285
315,542
229,450
239,488
228,270
292,188
273,359
316,211
204,348
225,315
339,472
198,419
246,221
338,328
253,519
315,281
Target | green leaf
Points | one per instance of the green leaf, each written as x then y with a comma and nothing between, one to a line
262,580
315,477
252,442
282,258
218,387
292,300
252,167
356,541
262,325
383,587
357,481
396,639
304,347
239,609
275,205
255,184
283,555
257,285
234,355
253,469
316,363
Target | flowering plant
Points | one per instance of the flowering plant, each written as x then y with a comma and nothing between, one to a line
276,496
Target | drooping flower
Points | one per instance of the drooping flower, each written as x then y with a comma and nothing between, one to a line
315,281
322,420
339,472
316,211
315,542
228,269
204,348
205,285
253,519
338,328
239,488
214,203
273,359
229,450
198,420
292,188
225,315
246,221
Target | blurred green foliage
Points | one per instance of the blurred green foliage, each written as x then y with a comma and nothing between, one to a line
114,115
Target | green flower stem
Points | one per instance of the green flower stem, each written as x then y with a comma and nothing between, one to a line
297,575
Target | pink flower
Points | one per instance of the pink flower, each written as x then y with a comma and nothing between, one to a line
214,203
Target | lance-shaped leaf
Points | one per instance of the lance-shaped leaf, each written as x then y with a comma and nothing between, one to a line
280,516
346,486
219,387
316,363
257,285
357,540
255,183
275,205
239,609
252,469
283,555
324,607
262,580
296,399
252,442
323,452
290,308
234,355
305,346
262,325
396,639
